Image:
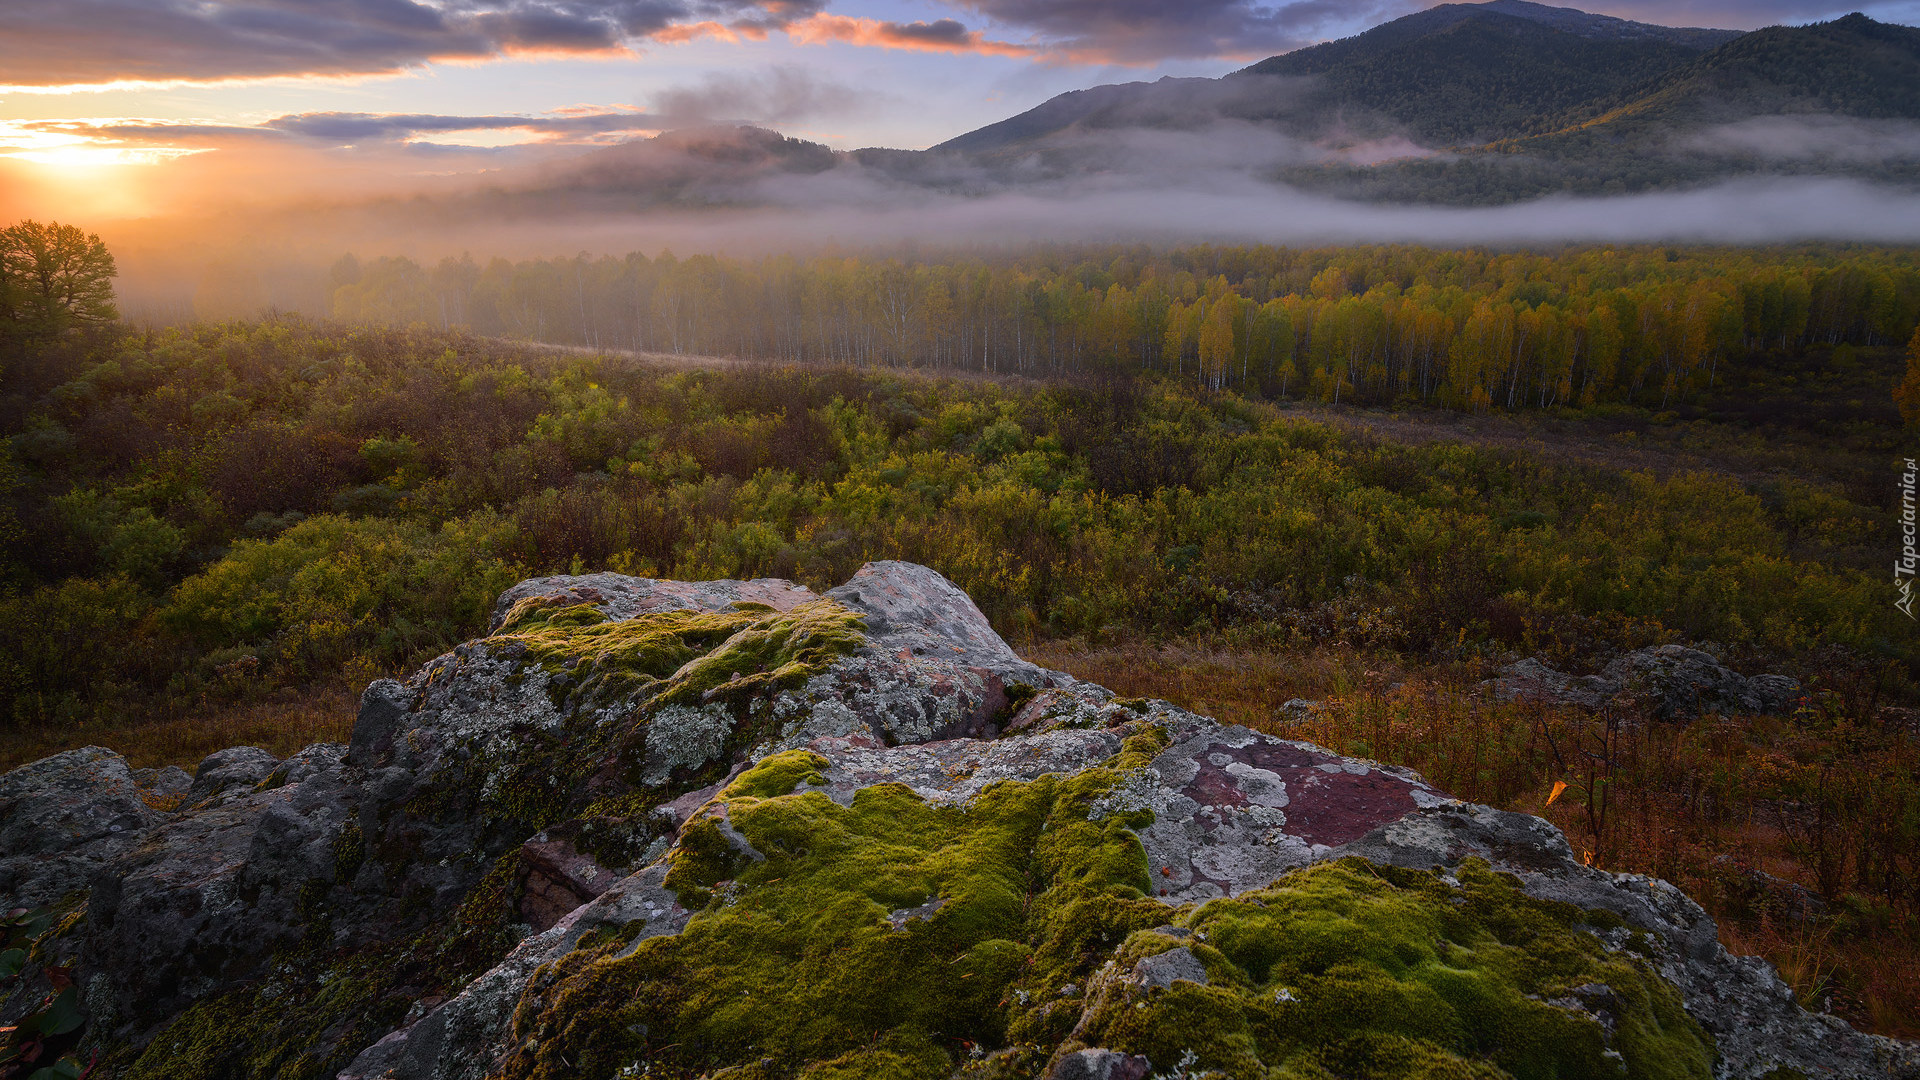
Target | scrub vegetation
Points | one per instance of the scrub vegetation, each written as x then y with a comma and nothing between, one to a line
218,534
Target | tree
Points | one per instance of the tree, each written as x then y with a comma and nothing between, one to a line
1907,394
53,278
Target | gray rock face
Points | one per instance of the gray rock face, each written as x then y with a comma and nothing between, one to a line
1101,1065
1164,969
63,817
1677,683
492,773
231,771
912,611
618,596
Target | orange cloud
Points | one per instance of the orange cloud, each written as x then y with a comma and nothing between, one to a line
682,33
939,36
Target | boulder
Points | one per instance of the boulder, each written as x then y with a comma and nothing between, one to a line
734,828
233,771
1675,682
63,817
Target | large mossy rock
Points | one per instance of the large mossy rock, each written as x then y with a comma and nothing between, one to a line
741,830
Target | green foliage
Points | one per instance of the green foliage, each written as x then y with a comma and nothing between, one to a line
38,1044
1469,330
53,278
221,511
330,588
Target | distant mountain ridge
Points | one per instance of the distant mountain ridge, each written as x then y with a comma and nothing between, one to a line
1505,99
1317,58
1462,104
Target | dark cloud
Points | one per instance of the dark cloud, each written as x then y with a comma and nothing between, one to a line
362,127
59,42
1144,31
341,128
778,95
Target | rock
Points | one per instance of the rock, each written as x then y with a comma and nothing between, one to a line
1534,681
222,772
207,898
1678,684
169,782
914,611
1300,711
1164,969
1101,1065
618,596
63,817
826,814
1685,683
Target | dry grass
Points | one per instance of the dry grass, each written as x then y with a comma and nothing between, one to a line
1701,806
279,725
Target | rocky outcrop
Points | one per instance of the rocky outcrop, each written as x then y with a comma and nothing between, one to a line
743,830
1674,683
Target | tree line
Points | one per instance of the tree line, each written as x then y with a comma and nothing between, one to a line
1371,325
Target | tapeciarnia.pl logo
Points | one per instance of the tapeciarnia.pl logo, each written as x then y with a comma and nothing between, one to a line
1904,566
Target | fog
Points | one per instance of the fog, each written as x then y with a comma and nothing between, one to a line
1812,138
214,251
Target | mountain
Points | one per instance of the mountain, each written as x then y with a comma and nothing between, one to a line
1465,104
1456,73
1491,102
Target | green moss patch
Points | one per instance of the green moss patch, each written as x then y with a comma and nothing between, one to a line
679,656
1349,969
901,939
885,938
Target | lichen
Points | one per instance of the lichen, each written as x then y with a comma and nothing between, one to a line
897,938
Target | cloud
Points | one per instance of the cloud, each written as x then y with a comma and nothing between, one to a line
339,127
573,126
783,94
54,43
1839,139
939,36
1149,31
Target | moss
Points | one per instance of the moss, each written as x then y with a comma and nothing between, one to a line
778,774
896,938
866,938
1357,970
349,852
679,656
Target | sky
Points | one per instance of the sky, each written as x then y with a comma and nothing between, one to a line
141,82
130,111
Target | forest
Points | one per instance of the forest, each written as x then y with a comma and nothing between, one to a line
1376,326
217,533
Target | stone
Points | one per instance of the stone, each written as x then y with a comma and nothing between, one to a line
63,817
1164,969
1100,1065
511,805
234,770
1675,682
